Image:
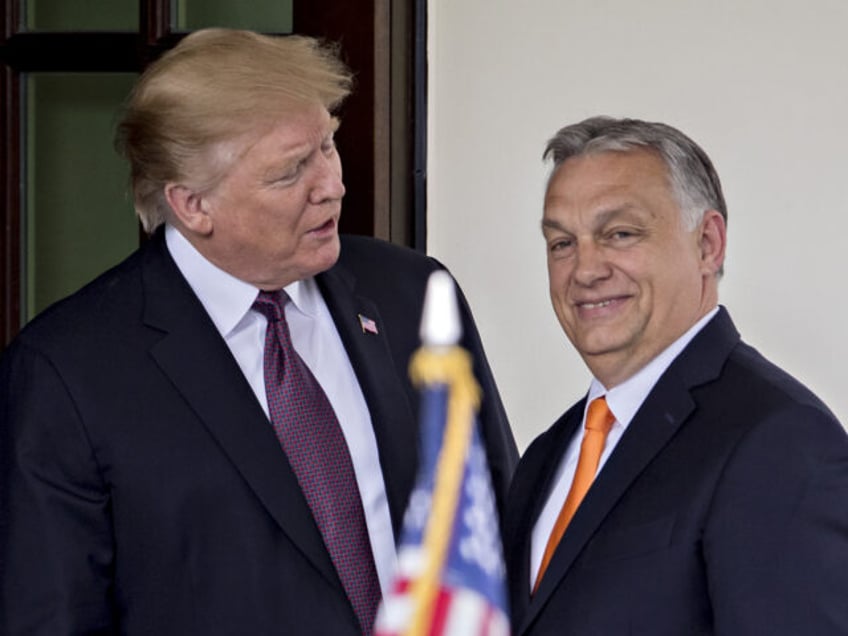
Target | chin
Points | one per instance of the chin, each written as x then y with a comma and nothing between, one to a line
599,346
324,259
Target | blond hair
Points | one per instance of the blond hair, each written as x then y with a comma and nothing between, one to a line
214,87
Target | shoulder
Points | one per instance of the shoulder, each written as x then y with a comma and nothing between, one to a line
781,423
755,412
366,254
726,375
103,306
379,269
768,388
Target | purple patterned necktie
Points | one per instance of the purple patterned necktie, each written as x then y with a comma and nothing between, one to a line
315,446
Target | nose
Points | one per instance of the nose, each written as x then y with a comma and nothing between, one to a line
328,185
591,264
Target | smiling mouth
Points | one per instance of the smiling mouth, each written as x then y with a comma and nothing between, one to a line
605,308
596,305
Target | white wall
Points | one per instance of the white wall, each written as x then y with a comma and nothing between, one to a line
762,85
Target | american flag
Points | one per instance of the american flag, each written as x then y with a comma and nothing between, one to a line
451,574
367,324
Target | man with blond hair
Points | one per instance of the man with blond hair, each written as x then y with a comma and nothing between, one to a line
218,436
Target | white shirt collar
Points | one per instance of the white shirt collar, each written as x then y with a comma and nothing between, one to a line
625,399
306,296
228,299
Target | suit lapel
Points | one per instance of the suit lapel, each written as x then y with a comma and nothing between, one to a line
545,458
664,411
197,360
379,378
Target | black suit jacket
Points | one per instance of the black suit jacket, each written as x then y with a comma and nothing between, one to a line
722,510
142,489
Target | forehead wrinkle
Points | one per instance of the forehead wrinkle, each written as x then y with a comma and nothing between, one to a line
597,220
292,155
552,224
314,137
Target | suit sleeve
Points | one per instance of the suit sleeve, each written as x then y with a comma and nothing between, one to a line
55,534
776,545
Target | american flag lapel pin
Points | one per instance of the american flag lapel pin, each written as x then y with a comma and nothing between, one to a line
368,325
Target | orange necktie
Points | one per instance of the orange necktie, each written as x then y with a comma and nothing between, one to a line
599,421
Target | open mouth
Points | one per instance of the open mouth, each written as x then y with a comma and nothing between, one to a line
601,307
328,227
603,303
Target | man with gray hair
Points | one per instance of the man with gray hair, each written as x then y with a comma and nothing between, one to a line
697,488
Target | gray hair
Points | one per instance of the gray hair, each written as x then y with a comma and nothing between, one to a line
693,179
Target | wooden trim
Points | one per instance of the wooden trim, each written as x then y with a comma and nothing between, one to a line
409,122
343,22
154,20
10,17
382,119
10,221
381,132
10,255
72,52
418,134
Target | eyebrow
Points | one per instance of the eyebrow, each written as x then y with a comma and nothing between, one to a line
297,154
553,225
602,219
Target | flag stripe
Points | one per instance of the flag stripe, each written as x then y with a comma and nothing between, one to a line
451,578
467,614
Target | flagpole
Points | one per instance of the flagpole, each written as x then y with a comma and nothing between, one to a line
450,579
441,362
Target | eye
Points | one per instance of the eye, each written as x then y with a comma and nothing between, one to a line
328,146
560,245
623,235
293,174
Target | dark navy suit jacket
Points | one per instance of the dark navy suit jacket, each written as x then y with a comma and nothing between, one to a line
723,510
142,489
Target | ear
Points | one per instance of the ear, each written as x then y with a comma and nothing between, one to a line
713,242
189,207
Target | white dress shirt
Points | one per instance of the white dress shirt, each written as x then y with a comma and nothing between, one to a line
229,301
623,401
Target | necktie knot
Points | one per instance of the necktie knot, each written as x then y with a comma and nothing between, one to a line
599,418
271,304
